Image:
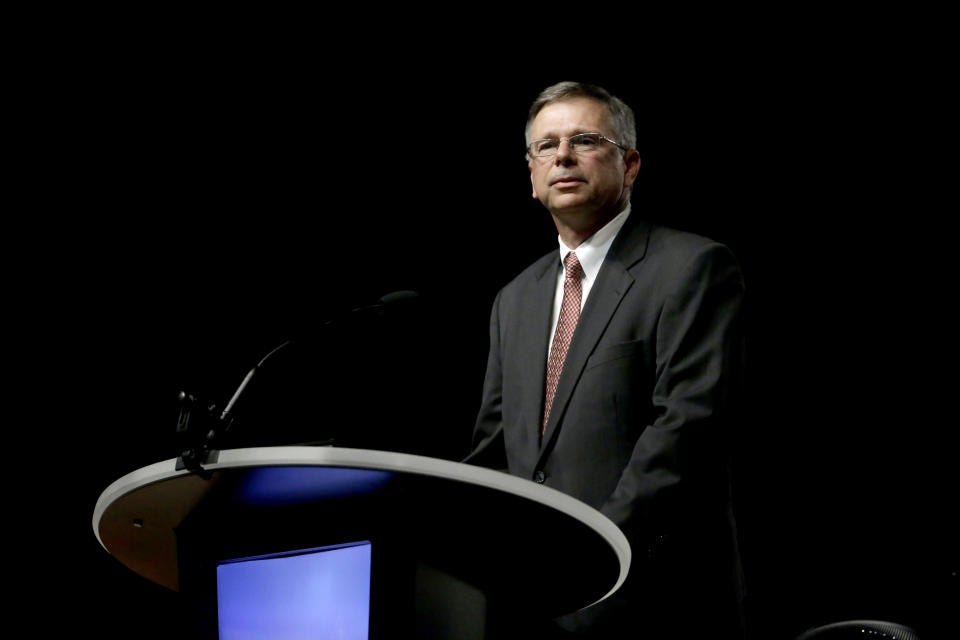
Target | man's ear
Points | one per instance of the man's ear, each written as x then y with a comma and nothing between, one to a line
631,161
533,187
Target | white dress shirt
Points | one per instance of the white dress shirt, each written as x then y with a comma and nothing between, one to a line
591,254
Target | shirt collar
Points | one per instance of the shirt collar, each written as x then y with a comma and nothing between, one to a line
593,250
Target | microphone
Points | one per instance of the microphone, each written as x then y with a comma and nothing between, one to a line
195,454
398,299
388,303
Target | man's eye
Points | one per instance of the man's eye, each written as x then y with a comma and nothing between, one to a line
586,140
546,145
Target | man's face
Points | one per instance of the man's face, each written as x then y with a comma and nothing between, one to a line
571,184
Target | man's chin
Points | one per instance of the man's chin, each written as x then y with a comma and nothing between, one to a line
571,207
572,203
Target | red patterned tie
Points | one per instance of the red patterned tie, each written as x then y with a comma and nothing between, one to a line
569,314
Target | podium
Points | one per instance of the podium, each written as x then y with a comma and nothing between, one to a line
455,550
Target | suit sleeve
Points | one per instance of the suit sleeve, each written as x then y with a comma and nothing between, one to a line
488,448
679,465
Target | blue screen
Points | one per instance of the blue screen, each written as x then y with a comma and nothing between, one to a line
314,594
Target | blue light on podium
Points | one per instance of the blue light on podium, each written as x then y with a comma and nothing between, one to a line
316,593
274,486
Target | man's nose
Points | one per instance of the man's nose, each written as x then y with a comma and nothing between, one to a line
565,155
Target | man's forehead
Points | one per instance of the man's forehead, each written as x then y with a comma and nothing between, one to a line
570,116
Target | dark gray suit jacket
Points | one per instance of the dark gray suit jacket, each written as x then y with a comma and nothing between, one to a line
640,425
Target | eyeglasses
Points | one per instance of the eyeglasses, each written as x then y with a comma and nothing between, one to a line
582,143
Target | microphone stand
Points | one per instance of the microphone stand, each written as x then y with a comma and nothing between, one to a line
199,429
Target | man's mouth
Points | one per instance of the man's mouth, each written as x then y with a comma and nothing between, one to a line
565,181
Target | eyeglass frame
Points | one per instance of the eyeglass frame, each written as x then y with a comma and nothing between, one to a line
568,138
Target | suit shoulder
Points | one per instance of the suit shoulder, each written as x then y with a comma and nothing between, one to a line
676,258
534,271
683,244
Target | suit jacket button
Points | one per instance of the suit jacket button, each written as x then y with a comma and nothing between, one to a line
539,477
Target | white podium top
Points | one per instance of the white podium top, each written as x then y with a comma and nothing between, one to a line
135,517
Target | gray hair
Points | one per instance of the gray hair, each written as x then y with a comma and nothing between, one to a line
621,116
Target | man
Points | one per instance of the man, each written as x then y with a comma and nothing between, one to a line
612,373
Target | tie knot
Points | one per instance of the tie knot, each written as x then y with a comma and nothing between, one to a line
572,265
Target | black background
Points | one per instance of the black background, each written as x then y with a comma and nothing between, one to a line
194,197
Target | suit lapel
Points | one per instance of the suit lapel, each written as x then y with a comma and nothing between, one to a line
534,335
613,282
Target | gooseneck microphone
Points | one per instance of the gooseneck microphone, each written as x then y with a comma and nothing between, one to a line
389,303
206,428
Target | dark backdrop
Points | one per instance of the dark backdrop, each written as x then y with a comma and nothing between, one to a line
193,208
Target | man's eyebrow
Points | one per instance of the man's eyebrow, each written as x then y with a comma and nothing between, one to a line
576,132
